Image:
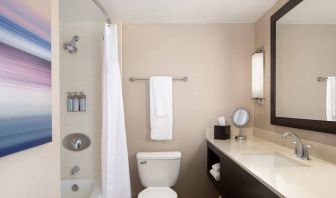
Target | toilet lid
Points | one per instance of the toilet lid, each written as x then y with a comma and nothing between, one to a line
157,192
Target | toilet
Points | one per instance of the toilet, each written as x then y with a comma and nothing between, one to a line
158,172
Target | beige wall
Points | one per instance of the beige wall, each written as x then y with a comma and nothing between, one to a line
323,144
304,52
35,173
216,58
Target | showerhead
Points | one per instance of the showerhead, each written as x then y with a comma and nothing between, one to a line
71,46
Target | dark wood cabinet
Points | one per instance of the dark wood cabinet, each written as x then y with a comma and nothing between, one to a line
235,182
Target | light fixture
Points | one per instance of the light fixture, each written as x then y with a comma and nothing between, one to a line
258,76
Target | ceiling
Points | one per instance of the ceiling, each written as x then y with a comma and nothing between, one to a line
312,12
167,11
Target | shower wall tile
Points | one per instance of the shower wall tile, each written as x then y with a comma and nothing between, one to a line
82,72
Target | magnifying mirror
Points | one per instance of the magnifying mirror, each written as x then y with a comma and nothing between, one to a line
240,119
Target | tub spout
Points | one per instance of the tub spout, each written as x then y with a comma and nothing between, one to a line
75,170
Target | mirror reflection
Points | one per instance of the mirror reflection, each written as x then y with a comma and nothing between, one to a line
306,62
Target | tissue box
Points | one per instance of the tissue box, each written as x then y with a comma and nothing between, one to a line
222,132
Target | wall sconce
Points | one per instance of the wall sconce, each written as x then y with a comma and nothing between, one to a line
258,76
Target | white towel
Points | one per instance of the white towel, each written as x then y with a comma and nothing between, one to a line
216,167
331,99
161,108
215,174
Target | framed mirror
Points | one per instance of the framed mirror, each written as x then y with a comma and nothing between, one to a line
303,65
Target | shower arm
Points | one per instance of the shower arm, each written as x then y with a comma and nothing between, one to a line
103,10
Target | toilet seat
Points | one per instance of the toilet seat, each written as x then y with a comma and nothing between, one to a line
157,192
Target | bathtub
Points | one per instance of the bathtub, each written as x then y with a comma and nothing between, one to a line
80,188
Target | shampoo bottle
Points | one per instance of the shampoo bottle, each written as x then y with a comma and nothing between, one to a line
82,102
75,103
70,102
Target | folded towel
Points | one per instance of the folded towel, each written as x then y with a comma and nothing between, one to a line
161,108
162,94
215,174
216,167
331,99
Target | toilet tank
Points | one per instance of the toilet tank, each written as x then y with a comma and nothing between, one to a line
158,169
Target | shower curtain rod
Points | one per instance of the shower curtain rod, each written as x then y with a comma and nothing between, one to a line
103,10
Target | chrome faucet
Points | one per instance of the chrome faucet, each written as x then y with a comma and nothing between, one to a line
75,170
76,143
301,150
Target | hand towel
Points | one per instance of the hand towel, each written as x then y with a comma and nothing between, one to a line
331,99
215,174
161,107
216,167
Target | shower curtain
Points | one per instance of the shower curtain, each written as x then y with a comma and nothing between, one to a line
115,168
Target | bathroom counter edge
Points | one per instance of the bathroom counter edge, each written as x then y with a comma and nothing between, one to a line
315,179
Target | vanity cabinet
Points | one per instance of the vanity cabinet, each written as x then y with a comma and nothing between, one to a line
235,182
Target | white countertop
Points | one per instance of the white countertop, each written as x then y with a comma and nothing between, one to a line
316,179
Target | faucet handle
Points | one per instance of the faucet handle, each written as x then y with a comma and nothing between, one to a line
76,143
306,152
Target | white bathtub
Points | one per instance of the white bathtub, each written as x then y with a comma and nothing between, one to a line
87,188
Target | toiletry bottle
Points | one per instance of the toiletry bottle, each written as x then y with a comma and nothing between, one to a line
70,102
75,102
82,102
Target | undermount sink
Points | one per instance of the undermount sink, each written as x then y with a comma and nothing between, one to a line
272,160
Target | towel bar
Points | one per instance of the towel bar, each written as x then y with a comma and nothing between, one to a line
319,79
132,79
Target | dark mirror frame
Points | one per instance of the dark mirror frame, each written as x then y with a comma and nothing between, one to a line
314,125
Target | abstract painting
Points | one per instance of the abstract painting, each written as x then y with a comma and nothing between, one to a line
25,75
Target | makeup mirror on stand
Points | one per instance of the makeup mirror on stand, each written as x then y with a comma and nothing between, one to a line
240,119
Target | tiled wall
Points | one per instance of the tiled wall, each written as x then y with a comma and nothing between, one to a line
81,72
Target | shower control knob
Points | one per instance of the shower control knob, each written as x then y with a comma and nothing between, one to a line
76,143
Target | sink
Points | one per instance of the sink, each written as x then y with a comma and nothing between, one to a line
272,160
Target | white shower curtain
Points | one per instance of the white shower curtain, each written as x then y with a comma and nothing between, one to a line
115,169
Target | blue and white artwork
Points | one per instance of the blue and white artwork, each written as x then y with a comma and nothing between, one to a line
25,75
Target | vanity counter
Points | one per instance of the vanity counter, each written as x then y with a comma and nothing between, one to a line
311,179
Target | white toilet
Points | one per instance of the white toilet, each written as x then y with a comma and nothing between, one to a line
158,172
